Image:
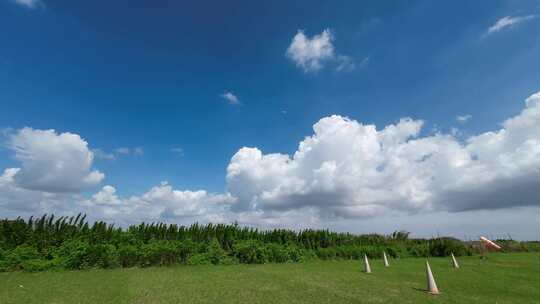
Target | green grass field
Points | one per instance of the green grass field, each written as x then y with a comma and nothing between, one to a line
503,278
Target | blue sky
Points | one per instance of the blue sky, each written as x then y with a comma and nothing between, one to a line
135,74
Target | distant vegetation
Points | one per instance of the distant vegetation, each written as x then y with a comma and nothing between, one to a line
72,243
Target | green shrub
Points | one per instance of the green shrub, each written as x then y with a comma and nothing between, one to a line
103,256
73,254
15,258
532,246
445,246
418,249
251,252
159,253
199,259
128,255
396,251
35,265
214,252
278,253
229,260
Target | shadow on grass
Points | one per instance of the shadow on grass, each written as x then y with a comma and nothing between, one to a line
419,289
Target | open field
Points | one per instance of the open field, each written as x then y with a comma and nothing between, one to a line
504,278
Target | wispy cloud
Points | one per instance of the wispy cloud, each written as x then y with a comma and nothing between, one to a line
230,97
177,150
137,151
506,22
100,154
122,150
345,63
30,3
118,152
463,118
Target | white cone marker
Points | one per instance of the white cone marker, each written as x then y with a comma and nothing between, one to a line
454,261
385,259
431,285
367,268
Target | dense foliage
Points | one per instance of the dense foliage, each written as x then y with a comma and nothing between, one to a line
73,243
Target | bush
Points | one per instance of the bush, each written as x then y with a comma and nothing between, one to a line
516,246
278,253
35,265
103,256
251,252
128,255
532,246
396,251
229,260
72,254
160,253
445,246
419,250
77,254
199,259
214,252
15,258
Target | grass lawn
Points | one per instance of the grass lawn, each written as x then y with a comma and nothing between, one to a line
503,278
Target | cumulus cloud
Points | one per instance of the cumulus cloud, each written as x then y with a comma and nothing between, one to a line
507,22
230,98
29,3
160,203
16,201
53,162
311,54
351,170
344,171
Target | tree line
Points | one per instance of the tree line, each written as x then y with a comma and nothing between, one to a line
50,242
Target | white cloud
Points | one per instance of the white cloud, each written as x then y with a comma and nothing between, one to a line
177,150
231,98
508,21
345,63
137,151
123,150
53,162
347,169
392,178
29,3
463,118
16,201
311,54
160,203
98,153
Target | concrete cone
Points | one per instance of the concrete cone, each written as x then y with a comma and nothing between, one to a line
385,259
431,285
454,261
367,268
